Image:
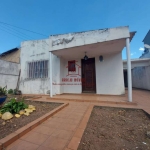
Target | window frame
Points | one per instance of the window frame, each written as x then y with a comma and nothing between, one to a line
72,66
37,69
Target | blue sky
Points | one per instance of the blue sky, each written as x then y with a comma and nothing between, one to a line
62,16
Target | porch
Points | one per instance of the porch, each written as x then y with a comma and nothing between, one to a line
105,78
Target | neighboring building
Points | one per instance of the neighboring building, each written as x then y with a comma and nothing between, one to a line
10,68
140,67
140,73
58,65
12,55
146,41
9,74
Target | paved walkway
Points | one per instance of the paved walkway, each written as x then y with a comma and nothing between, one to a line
64,130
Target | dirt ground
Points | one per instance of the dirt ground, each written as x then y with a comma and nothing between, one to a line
116,129
16,123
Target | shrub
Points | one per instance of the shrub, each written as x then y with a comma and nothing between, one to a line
13,106
17,92
10,91
3,91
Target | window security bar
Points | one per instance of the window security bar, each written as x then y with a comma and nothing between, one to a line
38,69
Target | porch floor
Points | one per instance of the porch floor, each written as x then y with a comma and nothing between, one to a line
90,97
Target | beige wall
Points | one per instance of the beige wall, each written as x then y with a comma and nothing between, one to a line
12,57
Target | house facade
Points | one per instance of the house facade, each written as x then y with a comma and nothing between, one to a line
82,62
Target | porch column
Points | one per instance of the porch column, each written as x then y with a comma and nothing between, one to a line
50,64
129,70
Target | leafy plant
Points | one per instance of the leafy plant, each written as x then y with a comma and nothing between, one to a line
13,106
3,91
10,91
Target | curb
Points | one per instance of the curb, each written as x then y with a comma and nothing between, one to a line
36,97
22,131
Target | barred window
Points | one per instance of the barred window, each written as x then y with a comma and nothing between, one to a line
38,69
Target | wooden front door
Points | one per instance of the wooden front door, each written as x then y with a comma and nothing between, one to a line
88,76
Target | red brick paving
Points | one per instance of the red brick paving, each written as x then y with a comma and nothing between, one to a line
64,130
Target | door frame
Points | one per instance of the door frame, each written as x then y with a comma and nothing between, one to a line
94,76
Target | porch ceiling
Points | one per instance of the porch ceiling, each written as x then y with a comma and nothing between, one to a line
97,49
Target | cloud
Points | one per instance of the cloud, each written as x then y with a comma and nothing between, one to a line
141,49
133,53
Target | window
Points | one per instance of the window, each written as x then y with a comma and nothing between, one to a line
71,65
38,69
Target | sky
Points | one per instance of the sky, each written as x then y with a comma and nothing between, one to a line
49,17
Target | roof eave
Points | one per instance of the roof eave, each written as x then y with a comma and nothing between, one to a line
132,34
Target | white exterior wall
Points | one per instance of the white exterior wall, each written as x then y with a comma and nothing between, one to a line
9,73
33,51
72,87
62,66
60,72
141,77
69,40
109,75
56,75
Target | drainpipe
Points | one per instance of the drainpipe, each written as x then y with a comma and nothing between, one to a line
129,70
50,64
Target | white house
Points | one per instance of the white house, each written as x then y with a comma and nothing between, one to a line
82,62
